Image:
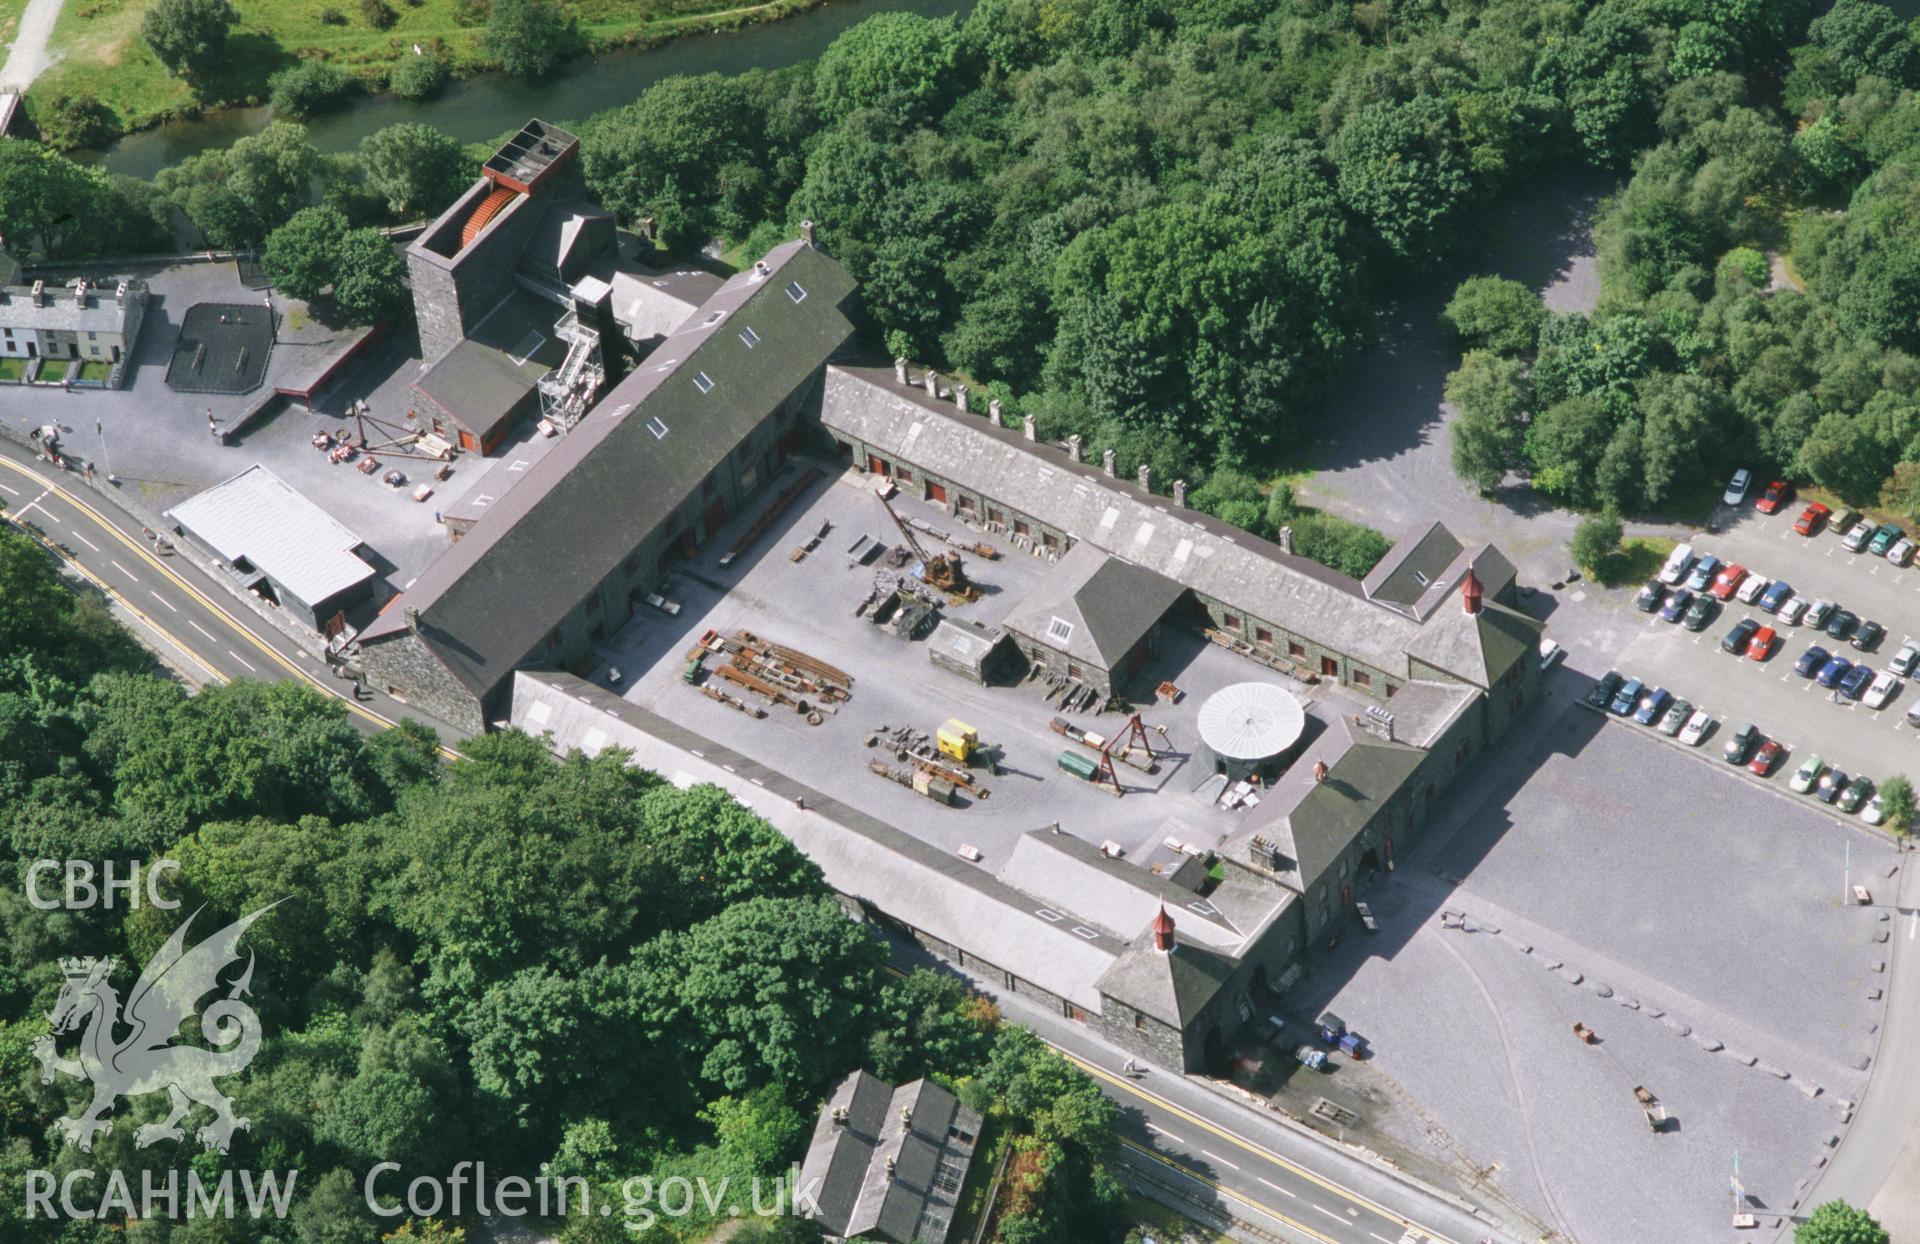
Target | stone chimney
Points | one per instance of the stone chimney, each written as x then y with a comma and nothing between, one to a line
80,293
412,615
906,1116
932,382
1146,478
1285,539
993,411
1470,593
839,1116
900,369
889,1168
806,232
1319,771
120,293
39,293
1180,493
960,395
1073,447
1163,937
1106,462
1026,426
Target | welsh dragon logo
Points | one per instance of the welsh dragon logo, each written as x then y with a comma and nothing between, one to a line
146,1060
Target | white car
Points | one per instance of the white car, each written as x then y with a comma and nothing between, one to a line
1752,587
1792,611
1696,728
1737,487
1677,565
1873,813
1900,552
1881,690
1550,652
1905,660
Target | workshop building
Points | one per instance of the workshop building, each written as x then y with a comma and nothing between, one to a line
1096,621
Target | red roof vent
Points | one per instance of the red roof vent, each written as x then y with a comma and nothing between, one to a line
1162,927
1470,592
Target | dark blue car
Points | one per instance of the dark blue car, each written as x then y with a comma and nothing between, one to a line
1833,671
1812,661
1626,697
1655,704
1854,685
1779,594
1676,605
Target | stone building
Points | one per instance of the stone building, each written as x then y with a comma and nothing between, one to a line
1096,620
888,1163
92,324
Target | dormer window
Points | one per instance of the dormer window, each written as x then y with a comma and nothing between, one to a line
703,382
796,292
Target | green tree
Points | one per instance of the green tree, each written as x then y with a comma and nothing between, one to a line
68,120
899,63
301,256
188,35
310,87
1595,539
369,279
1836,1222
1864,37
46,200
1493,313
417,77
415,168
1401,170
527,37
1897,803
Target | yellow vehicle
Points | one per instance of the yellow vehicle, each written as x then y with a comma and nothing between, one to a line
958,740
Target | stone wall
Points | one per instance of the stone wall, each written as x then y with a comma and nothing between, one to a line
403,666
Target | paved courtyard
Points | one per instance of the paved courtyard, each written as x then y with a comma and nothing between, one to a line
1692,920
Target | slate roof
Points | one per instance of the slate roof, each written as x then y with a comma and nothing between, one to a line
651,304
559,238
478,385
535,554
1186,546
1403,576
1109,605
101,313
1477,647
1119,897
258,516
1172,986
1423,709
918,1126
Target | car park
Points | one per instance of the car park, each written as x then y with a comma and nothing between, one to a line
1702,611
1880,691
1602,691
1766,758
1807,774
1868,636
1833,671
1829,785
1810,519
1696,728
1858,792
1679,561
1737,639
1792,612
1818,612
1812,661
1777,494
1741,745
1701,576
1883,539
1737,487
1901,553
1677,602
1856,681
1626,697
1778,593
1760,647
1650,596
1727,582
1652,704
1904,660
1752,588
1842,624
1858,535
1676,717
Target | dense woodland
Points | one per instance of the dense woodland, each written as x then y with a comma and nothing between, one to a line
507,958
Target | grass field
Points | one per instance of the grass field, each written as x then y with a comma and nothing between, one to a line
99,52
1637,560
95,370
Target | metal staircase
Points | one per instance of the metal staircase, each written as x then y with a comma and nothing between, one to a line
569,389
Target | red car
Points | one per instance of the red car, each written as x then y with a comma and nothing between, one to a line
1811,519
1778,493
1766,758
1727,581
1760,647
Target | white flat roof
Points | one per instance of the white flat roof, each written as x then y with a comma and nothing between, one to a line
1251,721
256,515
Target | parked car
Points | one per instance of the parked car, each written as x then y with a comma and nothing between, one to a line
1868,636
1792,612
1676,717
1807,774
1650,596
1913,716
1833,671
1881,691
1703,610
1727,581
1602,691
1818,612
1777,494
1626,697
1810,519
1874,813
1760,647
1766,758
1883,538
1856,682
1737,639
1652,704
1550,652
1696,728
1858,792
1830,784
1778,593
1841,521
1677,602
1842,624
1704,568
1678,563
1737,487
1752,588
1904,660
1812,661
1858,535
1741,745
1901,553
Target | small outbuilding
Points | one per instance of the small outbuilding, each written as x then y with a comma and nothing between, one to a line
1096,620
887,1163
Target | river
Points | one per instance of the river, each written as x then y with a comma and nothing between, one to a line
486,107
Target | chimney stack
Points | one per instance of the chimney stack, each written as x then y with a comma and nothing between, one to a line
1285,539
120,293
1026,426
900,369
1163,938
39,293
1073,447
933,383
1146,478
806,232
1180,493
889,1168
1319,771
993,411
412,615
839,1116
960,395
1106,462
1470,593
80,293
906,1115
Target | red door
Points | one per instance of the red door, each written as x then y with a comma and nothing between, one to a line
878,465
936,492
716,517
